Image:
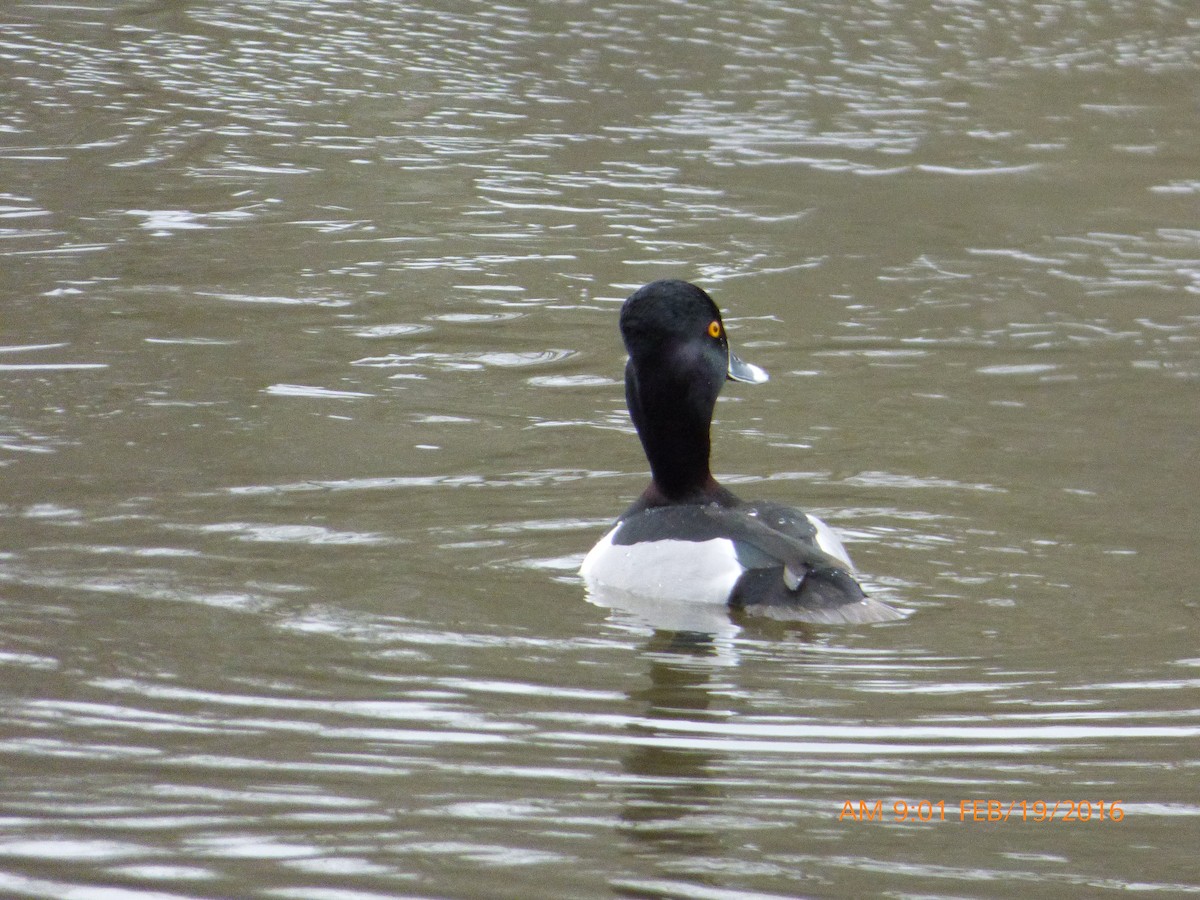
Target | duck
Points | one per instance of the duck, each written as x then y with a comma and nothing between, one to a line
686,538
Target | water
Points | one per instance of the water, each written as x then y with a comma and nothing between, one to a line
310,406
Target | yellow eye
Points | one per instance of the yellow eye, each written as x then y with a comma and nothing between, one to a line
714,329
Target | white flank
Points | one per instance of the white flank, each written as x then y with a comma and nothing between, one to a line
828,540
688,571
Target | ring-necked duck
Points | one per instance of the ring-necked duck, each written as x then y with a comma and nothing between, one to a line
686,538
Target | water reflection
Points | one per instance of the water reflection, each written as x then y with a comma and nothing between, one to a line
673,808
669,616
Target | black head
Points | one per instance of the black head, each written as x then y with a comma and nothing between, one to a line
680,320
679,358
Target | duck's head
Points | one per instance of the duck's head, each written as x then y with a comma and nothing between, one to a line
679,358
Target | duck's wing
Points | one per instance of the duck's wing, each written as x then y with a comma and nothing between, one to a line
780,517
756,537
788,575
800,525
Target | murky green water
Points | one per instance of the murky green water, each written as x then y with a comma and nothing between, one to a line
310,407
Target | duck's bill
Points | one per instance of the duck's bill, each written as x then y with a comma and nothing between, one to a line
740,370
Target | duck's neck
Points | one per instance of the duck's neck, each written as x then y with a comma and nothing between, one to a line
672,422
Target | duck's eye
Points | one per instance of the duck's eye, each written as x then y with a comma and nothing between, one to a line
714,329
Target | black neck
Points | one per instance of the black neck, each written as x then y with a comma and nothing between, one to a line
672,421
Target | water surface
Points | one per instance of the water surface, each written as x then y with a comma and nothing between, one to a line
310,406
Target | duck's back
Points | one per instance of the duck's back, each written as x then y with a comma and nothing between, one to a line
766,558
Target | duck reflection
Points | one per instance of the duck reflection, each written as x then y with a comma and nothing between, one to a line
673,797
